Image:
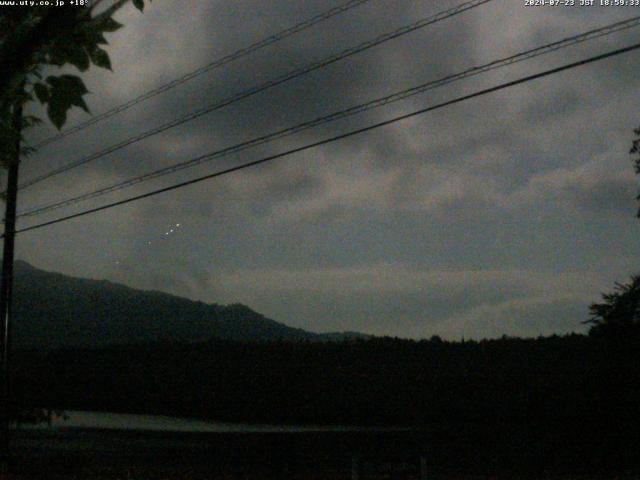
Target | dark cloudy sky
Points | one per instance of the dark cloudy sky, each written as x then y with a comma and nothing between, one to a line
506,214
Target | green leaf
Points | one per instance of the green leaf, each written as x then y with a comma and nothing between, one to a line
90,35
100,58
53,81
42,92
65,91
71,51
79,102
139,4
73,83
108,24
30,121
99,39
57,57
79,58
57,114
67,83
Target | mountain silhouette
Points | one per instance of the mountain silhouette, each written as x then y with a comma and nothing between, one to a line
52,310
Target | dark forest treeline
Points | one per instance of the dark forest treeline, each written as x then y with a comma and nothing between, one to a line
376,381
556,402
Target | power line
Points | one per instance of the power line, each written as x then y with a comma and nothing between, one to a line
394,97
304,25
262,87
337,137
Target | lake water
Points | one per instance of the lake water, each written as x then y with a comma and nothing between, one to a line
122,421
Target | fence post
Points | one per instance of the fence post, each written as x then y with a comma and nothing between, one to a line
423,468
355,466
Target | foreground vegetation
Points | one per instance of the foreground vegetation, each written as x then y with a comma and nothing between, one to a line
377,381
561,400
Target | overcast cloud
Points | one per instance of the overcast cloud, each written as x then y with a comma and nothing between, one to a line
506,214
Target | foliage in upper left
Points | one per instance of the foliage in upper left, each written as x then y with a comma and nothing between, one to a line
35,39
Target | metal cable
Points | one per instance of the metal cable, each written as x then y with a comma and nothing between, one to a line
351,133
394,97
206,68
260,88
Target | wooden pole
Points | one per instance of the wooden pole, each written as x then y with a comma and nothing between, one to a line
6,280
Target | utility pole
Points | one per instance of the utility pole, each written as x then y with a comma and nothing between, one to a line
6,279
